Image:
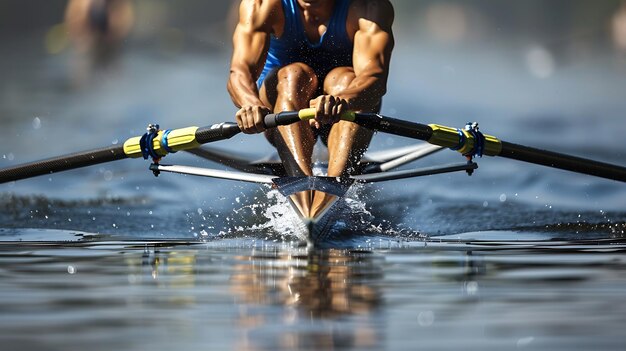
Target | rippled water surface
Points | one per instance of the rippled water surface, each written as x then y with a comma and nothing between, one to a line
253,295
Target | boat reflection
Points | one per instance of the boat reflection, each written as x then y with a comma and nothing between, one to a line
316,289
290,298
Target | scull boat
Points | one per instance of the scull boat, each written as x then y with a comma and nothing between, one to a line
375,167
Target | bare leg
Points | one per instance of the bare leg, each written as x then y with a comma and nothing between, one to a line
291,88
346,142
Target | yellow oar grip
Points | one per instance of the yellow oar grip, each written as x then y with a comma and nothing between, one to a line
177,140
132,148
182,139
309,113
449,137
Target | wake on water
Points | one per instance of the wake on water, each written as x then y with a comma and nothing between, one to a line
276,221
265,215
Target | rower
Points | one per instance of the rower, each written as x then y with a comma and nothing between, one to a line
97,29
332,55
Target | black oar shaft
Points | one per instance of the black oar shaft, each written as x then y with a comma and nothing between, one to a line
201,135
217,132
62,163
509,150
393,126
562,161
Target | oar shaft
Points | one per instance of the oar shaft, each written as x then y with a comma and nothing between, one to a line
393,126
162,144
562,161
449,137
62,163
464,142
217,132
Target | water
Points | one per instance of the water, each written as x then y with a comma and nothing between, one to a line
516,256
257,296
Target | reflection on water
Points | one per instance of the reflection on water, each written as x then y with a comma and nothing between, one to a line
472,295
315,290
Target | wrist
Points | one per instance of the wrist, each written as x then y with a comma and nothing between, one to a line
252,102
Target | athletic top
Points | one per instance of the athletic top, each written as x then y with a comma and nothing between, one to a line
333,50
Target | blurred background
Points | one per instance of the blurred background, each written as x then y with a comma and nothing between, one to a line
83,74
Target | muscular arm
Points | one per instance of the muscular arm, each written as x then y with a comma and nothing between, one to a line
250,45
373,43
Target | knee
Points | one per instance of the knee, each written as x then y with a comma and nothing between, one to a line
297,76
338,80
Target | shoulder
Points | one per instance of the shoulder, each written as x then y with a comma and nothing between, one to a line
260,14
379,11
370,14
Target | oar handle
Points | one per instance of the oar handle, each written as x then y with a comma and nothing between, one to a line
289,117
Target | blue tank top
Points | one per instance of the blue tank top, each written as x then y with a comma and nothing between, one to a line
334,48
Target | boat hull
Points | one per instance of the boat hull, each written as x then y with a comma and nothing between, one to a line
319,228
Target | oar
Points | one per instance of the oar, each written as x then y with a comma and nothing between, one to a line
162,142
159,143
467,142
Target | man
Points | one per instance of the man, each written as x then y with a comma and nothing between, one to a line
332,55
98,24
96,29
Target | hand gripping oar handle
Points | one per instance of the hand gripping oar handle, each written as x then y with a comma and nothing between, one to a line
164,142
288,117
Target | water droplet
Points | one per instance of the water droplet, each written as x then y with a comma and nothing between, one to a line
426,318
108,175
471,287
525,341
199,211
36,123
485,204
502,197
115,141
71,269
